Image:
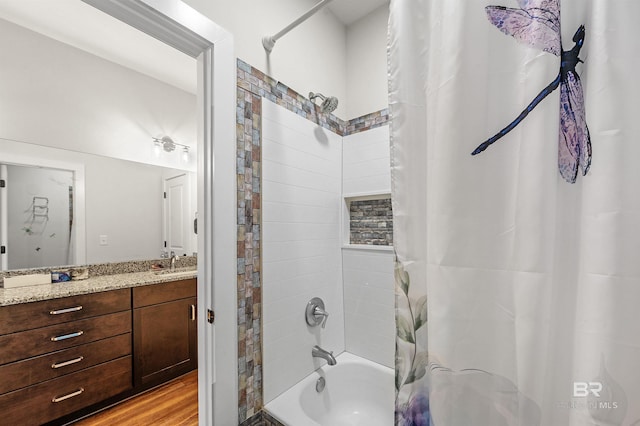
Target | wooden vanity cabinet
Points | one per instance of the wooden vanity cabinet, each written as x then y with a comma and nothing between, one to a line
165,331
65,358
61,355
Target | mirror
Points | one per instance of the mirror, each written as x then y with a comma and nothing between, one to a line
68,115
67,208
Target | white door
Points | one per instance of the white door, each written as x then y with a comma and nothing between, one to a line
177,233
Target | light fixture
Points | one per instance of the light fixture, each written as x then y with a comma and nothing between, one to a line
169,145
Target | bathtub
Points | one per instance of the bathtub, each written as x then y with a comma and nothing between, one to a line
358,392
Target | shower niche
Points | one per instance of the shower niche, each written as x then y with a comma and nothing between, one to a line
368,220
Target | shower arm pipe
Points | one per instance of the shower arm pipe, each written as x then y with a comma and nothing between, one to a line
270,41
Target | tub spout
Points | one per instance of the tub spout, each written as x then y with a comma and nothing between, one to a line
318,352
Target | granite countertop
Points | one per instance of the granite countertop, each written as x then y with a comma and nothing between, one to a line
14,296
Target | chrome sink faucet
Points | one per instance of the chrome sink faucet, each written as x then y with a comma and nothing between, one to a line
174,257
318,352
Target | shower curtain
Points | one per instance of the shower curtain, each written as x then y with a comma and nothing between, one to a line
519,264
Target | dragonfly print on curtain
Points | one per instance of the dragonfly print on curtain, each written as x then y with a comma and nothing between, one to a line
537,24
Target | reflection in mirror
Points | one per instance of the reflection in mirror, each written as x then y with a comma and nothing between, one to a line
116,210
42,212
38,215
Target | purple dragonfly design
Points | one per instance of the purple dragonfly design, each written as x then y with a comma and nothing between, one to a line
537,24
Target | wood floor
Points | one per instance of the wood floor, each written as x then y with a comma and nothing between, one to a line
172,404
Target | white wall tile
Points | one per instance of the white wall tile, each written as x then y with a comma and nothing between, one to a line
306,170
368,274
369,304
301,244
366,162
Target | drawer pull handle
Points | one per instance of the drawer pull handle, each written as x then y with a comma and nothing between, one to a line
66,311
67,396
67,336
64,364
193,312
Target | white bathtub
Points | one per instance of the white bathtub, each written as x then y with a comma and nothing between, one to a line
358,392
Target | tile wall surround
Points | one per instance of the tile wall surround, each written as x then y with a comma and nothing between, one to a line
369,304
365,164
367,271
301,245
252,86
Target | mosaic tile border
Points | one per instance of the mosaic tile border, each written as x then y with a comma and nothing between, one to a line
262,419
248,138
258,83
252,86
367,122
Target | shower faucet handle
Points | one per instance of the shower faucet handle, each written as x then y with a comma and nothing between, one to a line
315,313
318,311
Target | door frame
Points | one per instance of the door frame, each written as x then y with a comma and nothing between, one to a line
182,27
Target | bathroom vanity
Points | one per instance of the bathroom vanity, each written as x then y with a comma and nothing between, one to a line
164,331
64,357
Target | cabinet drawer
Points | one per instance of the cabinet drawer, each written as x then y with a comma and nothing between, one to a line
31,343
161,293
20,374
28,316
55,398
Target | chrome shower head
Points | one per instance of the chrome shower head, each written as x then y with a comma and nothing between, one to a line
328,104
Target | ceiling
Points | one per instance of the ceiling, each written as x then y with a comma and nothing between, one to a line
84,27
349,11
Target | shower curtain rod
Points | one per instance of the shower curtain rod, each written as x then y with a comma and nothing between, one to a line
269,41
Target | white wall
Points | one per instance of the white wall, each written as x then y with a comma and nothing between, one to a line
301,245
321,55
367,64
130,215
369,301
56,95
311,58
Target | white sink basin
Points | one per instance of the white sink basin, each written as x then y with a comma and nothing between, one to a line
177,273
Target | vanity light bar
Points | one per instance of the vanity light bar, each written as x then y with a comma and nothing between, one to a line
169,145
